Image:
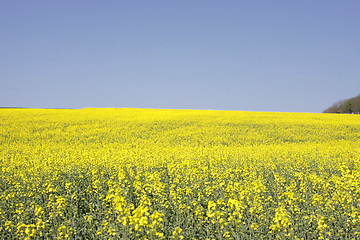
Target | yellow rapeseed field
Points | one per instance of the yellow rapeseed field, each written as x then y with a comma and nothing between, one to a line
178,174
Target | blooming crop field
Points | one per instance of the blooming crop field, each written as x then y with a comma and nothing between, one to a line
178,174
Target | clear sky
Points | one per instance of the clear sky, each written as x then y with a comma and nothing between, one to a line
293,56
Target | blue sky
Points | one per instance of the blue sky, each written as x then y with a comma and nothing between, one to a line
293,56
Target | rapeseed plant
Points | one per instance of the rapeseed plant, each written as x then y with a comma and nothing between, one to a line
178,174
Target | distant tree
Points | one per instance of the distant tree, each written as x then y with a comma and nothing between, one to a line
356,104
348,106
351,105
336,107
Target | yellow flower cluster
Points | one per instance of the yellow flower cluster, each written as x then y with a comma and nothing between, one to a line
178,174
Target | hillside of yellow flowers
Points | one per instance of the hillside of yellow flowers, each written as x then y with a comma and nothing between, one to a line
178,174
